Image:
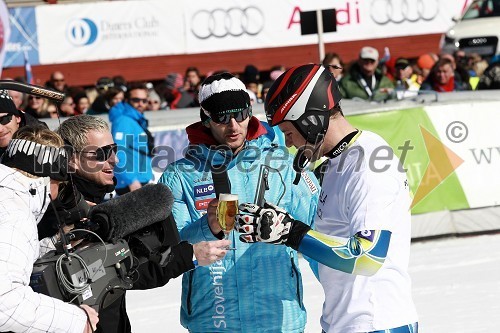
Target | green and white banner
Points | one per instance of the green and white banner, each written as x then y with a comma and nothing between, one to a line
460,139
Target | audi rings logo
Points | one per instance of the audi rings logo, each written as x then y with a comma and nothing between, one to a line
234,21
81,32
400,11
478,41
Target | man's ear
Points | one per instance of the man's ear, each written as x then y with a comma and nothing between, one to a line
18,120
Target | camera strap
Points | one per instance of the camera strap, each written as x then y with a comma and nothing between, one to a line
220,179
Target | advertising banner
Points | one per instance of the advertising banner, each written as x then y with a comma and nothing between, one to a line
403,130
109,30
23,38
215,25
470,130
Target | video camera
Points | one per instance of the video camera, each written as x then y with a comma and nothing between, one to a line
113,239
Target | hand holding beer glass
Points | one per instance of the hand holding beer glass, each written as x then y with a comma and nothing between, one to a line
227,209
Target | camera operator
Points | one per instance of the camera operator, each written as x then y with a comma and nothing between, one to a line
25,184
92,166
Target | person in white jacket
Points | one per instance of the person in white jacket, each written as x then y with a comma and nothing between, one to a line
28,174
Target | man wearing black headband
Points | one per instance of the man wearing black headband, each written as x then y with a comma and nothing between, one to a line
32,160
247,291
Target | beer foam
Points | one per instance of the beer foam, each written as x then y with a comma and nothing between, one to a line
228,197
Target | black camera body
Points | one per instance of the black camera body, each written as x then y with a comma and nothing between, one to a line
105,271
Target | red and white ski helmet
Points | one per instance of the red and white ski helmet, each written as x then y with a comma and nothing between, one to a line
303,95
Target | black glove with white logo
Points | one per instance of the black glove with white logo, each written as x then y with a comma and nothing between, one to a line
269,224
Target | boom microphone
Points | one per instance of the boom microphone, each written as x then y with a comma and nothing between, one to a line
133,211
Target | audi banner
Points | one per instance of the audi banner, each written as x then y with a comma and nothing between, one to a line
123,29
214,25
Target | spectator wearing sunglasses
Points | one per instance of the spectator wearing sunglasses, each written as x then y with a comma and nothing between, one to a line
57,82
130,131
10,119
92,166
35,107
235,293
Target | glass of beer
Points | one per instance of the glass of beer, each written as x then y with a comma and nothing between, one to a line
226,212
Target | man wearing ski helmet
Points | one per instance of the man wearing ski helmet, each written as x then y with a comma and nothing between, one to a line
362,226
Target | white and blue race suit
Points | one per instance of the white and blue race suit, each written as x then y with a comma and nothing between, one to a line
257,287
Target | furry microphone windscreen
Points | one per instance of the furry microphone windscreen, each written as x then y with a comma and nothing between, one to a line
133,211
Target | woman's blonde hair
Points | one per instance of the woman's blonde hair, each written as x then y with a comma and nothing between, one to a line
39,134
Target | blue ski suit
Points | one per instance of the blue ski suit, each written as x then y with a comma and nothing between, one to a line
128,128
257,287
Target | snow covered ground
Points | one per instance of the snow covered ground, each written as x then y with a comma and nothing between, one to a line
456,286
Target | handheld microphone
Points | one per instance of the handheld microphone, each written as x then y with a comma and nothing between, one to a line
133,211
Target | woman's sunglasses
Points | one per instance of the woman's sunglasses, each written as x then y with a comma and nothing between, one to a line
225,118
103,153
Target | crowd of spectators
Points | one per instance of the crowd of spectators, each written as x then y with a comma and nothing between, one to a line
370,77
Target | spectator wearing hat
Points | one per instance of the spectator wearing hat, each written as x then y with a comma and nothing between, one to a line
11,119
364,80
425,63
103,84
404,80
